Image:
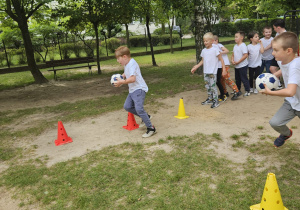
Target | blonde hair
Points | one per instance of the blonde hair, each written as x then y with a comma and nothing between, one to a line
288,40
122,50
208,35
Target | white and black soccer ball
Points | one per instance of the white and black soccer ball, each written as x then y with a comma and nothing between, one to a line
115,77
266,78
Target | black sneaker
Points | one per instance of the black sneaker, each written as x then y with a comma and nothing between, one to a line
207,101
281,139
215,104
222,99
236,95
227,94
149,132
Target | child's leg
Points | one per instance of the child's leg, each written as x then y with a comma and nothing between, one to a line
284,115
213,91
251,75
129,104
244,78
219,84
263,64
138,98
256,74
238,78
268,64
207,81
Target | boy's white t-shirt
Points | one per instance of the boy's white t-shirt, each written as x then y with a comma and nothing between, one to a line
239,51
132,69
210,64
224,56
254,57
267,54
291,75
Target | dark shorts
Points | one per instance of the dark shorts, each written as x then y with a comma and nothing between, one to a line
274,63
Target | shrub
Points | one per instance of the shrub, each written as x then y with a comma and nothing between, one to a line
158,31
140,41
112,44
22,59
37,57
2,58
51,53
89,50
66,50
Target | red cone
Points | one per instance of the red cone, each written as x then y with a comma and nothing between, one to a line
131,123
62,137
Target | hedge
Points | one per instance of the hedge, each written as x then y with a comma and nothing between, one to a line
140,41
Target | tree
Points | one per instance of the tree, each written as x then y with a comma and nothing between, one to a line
21,11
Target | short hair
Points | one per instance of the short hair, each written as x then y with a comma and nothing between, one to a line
267,27
208,35
279,23
122,50
288,40
216,38
242,33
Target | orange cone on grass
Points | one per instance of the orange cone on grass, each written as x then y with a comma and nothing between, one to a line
131,123
271,199
62,137
181,112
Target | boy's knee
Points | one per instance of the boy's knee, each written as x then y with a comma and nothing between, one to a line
273,123
139,111
126,107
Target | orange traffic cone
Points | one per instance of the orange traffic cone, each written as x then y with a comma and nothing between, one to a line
62,137
131,123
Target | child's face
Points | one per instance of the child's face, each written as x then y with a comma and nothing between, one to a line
208,42
278,52
267,33
215,41
255,39
122,60
277,29
238,38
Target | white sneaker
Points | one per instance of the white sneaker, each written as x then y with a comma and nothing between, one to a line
247,93
251,90
255,91
142,124
149,132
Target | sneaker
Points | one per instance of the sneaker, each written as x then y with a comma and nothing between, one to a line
247,93
223,99
255,91
207,101
142,124
251,90
281,139
215,104
149,132
227,94
236,95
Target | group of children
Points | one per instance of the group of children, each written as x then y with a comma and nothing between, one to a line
260,53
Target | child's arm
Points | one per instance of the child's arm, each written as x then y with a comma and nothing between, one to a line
289,91
278,73
120,82
224,50
261,50
223,65
232,58
197,66
245,55
268,47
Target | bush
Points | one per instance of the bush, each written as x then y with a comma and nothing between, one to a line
22,59
158,31
140,41
2,58
112,44
224,29
37,57
51,53
89,50
66,50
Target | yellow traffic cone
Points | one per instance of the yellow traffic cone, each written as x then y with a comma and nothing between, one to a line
181,112
271,199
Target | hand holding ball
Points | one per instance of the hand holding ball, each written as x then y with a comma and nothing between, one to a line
114,79
268,79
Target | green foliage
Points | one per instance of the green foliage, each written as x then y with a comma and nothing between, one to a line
2,58
66,50
159,31
224,29
140,41
112,44
22,59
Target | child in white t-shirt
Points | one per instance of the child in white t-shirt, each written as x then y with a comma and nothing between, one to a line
285,47
267,56
255,50
210,57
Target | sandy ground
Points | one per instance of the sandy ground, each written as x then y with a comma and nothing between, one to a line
232,117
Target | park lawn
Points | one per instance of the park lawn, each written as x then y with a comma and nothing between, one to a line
135,176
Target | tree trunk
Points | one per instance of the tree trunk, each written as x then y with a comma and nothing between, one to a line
163,29
37,75
150,40
171,36
97,47
127,35
199,31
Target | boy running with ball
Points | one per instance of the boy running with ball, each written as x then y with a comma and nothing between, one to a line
137,88
285,47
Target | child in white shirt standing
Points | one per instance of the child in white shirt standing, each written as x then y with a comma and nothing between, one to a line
267,56
210,57
255,50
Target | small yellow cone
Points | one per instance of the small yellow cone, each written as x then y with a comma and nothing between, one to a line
271,199
181,112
